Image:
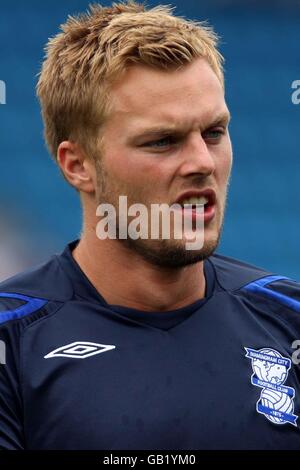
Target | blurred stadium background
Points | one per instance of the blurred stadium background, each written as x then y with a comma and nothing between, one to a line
39,213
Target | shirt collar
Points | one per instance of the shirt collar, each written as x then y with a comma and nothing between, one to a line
82,286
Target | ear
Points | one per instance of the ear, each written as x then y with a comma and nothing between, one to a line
78,170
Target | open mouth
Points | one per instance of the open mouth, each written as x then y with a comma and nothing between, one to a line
195,203
198,203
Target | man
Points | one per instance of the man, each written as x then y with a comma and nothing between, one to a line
127,342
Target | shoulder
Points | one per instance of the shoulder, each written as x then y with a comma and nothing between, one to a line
233,273
33,293
244,278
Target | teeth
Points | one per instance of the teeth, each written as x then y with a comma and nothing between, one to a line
202,200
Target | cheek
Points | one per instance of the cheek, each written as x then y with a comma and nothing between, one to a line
224,165
130,167
133,176
227,169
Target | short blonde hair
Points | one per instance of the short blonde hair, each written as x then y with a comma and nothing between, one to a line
95,48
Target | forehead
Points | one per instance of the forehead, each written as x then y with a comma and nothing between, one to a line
145,96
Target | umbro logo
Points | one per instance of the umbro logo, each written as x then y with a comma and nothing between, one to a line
80,350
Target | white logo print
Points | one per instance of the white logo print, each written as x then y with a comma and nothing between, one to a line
270,371
80,350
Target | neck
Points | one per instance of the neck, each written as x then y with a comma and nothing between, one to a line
122,277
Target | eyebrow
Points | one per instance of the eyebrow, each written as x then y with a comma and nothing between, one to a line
154,131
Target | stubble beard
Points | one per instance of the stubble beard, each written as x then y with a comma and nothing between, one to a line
169,254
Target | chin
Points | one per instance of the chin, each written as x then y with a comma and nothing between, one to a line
171,253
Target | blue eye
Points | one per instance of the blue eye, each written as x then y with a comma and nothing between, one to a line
214,134
164,142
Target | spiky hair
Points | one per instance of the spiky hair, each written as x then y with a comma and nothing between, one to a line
95,48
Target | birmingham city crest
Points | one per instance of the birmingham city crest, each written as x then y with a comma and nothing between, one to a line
270,372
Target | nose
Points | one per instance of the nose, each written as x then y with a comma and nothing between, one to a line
197,157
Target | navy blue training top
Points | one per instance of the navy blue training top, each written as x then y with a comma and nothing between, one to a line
78,373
